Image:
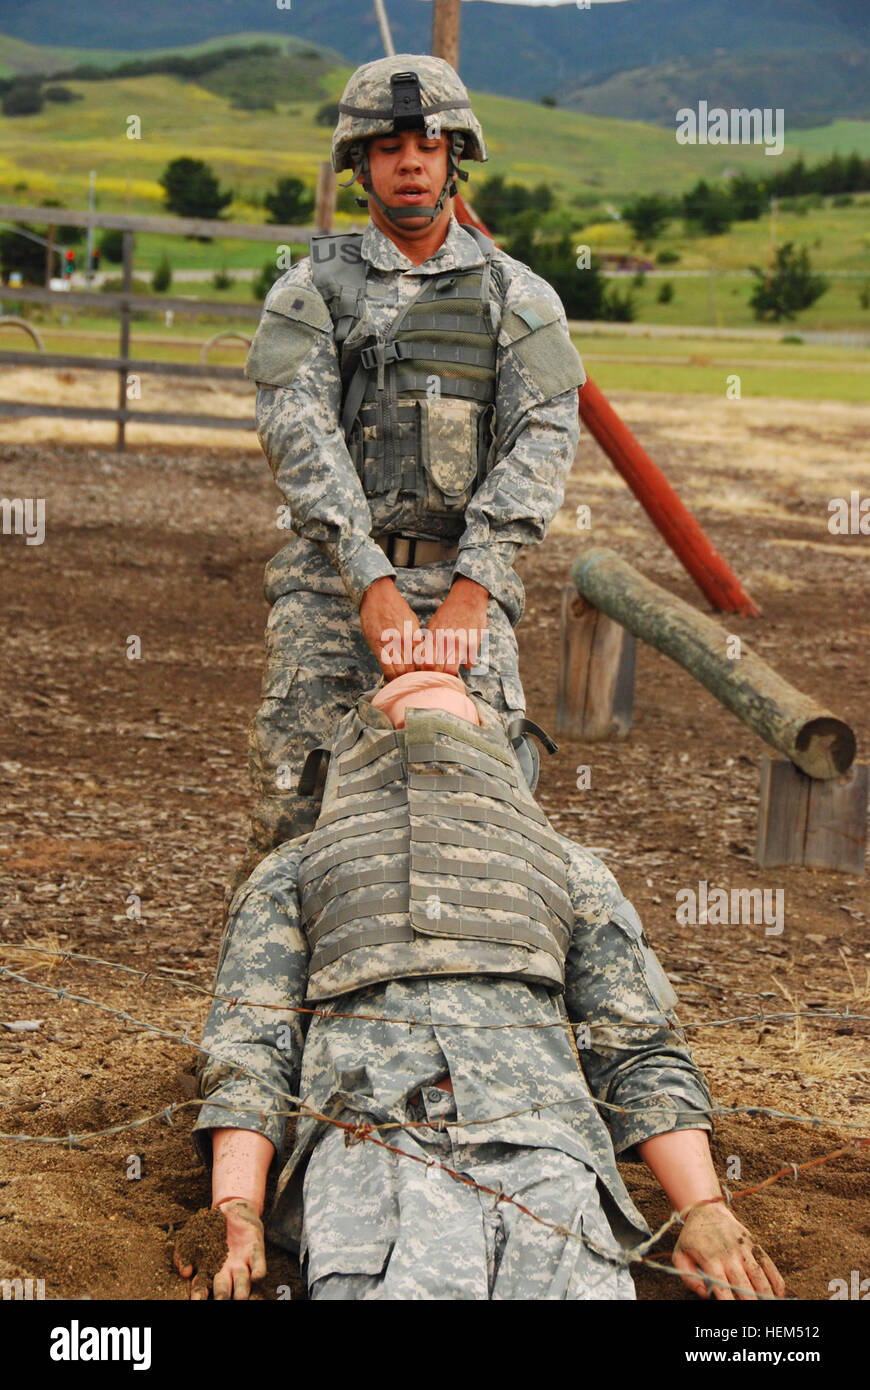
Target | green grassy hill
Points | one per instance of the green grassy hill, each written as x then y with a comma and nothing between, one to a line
594,164
582,157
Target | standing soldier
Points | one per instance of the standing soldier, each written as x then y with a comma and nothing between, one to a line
417,403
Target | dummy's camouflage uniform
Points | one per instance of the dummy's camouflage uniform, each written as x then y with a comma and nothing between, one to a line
318,662
380,1226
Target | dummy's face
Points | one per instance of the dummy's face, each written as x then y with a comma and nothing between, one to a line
408,159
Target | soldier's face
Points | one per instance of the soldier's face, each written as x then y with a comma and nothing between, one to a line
405,161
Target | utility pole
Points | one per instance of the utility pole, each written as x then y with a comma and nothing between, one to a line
771,250
326,192
89,253
386,36
445,31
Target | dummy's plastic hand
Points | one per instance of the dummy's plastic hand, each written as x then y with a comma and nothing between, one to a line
714,1242
462,618
246,1256
383,614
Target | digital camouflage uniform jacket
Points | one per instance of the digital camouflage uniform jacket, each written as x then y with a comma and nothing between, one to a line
296,366
635,1057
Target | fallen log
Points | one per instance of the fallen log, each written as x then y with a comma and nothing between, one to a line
813,738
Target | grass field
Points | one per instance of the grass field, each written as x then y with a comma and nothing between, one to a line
591,163
801,371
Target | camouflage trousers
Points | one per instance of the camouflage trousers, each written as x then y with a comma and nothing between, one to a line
379,1226
317,666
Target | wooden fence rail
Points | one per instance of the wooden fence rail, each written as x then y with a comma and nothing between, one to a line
126,303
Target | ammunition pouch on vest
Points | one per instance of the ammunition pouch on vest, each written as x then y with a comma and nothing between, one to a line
430,857
418,411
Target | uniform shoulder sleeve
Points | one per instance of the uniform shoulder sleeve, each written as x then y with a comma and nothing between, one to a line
534,330
295,321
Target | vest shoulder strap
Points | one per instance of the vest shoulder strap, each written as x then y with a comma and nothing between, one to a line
339,274
486,243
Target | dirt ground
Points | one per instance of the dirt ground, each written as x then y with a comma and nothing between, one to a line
122,777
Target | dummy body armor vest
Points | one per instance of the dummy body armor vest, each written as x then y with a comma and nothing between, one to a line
430,857
418,405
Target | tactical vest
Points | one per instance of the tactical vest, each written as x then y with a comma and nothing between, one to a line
430,857
418,411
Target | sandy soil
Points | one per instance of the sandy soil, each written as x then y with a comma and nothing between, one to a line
124,777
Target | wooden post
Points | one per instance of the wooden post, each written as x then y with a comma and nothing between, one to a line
811,736
596,673
445,31
820,825
49,258
324,213
129,239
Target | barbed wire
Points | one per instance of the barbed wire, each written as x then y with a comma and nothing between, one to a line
816,1121
363,1131
237,1001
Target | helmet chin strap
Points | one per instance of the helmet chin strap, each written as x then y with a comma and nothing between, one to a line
402,214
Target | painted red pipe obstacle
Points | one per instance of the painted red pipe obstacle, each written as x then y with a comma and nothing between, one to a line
714,577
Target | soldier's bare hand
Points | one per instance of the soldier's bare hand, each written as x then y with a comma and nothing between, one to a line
714,1242
463,621
383,614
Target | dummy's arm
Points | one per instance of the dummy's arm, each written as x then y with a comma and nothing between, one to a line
712,1242
253,1038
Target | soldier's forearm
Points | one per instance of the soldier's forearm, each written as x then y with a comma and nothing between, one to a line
316,477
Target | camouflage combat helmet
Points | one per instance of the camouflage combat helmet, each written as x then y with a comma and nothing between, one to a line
408,91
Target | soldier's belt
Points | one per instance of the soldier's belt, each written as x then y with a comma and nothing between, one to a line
407,552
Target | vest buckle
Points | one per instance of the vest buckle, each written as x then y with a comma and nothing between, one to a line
381,353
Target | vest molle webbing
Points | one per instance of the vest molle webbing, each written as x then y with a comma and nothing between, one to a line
430,857
418,405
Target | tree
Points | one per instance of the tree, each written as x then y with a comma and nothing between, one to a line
501,205
265,280
162,277
708,207
580,290
61,94
647,216
20,253
112,245
619,308
192,190
327,114
22,99
290,202
748,197
790,287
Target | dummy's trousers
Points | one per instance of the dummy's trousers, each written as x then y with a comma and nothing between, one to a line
377,1225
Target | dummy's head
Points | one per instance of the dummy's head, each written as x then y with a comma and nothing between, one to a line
425,690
